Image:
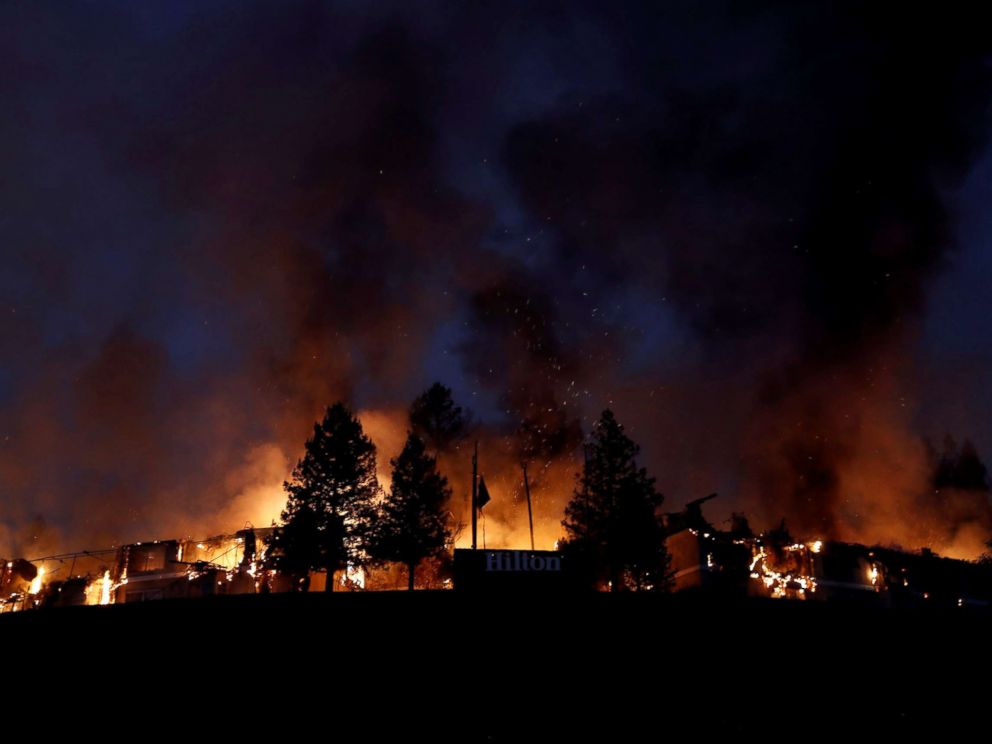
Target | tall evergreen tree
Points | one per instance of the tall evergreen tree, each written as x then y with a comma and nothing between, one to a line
331,505
613,522
958,468
413,522
436,419
293,549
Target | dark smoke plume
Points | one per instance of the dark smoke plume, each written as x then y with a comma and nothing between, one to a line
722,220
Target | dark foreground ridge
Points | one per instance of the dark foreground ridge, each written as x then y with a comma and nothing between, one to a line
504,668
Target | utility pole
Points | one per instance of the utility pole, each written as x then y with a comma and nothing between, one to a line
475,488
530,512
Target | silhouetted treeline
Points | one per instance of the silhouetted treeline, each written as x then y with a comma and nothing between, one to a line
958,466
338,517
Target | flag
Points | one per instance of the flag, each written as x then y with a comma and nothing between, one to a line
483,498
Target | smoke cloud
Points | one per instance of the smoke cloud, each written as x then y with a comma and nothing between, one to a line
218,218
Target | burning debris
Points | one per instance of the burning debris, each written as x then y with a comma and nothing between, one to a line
786,571
239,563
17,578
777,566
732,562
163,569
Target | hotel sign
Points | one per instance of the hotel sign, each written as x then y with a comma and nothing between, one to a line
521,561
510,570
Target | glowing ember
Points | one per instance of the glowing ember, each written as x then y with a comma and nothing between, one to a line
353,577
758,555
873,575
790,577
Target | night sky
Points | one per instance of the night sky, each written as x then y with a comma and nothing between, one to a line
758,231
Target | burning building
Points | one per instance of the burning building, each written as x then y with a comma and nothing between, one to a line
19,581
775,565
139,572
704,558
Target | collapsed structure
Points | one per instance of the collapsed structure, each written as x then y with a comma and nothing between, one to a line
163,569
740,563
730,562
245,562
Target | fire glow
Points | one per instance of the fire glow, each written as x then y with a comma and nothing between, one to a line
788,576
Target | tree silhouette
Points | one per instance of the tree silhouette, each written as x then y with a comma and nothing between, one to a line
293,549
986,557
436,419
413,520
959,467
612,522
331,504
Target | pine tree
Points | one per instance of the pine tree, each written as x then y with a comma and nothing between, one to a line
293,549
612,522
413,522
959,468
436,419
332,493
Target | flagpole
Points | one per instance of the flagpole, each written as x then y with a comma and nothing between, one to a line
475,480
530,513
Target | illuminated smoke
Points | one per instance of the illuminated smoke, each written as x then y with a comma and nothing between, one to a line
725,229
796,233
